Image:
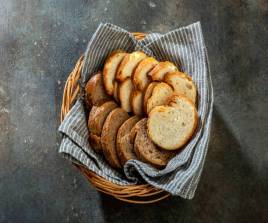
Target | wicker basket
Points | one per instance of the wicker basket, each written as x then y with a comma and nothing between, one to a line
139,194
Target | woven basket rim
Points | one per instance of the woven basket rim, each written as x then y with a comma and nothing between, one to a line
139,194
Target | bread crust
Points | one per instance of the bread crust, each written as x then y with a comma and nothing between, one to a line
148,94
159,71
124,94
95,142
136,100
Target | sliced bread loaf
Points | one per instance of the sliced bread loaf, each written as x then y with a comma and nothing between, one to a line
159,71
124,93
109,133
95,142
137,102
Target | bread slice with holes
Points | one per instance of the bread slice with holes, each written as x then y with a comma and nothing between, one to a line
97,116
95,92
147,151
148,94
159,71
128,65
124,145
170,127
95,142
124,93
110,68
160,95
140,76
137,102
182,84
109,133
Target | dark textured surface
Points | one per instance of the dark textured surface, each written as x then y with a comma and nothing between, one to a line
40,42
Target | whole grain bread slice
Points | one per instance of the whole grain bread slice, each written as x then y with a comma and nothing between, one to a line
97,116
109,133
95,142
159,71
124,93
136,101
95,92
147,151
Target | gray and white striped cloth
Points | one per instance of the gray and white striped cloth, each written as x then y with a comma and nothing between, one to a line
186,48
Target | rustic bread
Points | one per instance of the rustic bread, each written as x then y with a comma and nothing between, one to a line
159,71
108,136
171,127
147,151
124,93
135,128
148,94
182,84
115,93
128,65
109,70
140,76
161,93
97,116
123,144
95,92
137,102
95,142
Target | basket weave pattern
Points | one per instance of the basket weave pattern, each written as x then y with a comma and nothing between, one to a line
139,194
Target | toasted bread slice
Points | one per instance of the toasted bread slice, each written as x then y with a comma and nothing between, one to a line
97,116
147,151
148,94
159,71
135,129
137,102
172,127
161,93
95,92
123,144
109,70
124,92
182,84
140,76
128,65
108,136
95,142
115,93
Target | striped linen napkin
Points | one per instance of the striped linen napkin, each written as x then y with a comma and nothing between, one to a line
185,47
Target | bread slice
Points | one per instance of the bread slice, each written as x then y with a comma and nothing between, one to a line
109,70
159,71
95,92
171,127
182,84
115,93
161,93
147,151
108,136
124,93
148,94
123,144
140,77
135,129
97,116
95,142
137,102
128,65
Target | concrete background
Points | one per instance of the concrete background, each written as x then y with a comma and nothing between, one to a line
40,42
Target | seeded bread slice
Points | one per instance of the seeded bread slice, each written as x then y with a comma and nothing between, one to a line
97,116
172,127
95,92
140,77
137,102
128,65
159,71
109,70
124,92
123,144
182,84
95,142
148,94
108,136
147,151
161,93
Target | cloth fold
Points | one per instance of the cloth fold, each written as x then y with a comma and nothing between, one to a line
184,47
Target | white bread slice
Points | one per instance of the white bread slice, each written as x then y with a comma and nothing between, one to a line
140,77
159,71
124,93
115,93
182,84
109,70
128,65
148,94
137,102
160,95
172,127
